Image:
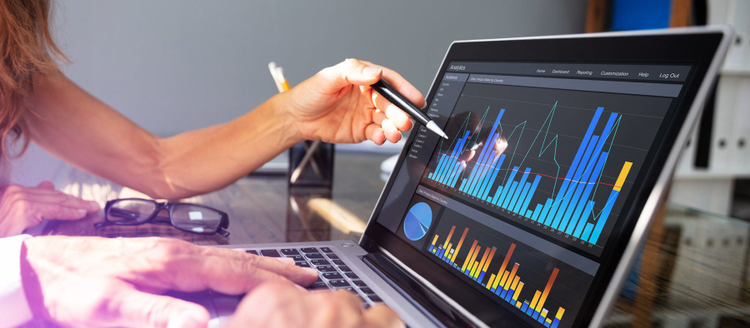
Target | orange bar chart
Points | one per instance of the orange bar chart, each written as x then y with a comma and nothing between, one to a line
506,283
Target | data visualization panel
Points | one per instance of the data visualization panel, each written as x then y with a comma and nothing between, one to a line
539,287
561,162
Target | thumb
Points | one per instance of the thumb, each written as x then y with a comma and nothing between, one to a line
140,309
350,72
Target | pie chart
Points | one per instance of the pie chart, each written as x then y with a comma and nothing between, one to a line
417,221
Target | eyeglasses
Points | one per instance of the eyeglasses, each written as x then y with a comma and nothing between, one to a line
188,217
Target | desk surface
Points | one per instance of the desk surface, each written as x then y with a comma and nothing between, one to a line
694,271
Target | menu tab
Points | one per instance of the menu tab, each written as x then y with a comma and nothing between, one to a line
661,73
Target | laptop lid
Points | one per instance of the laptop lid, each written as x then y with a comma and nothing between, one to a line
560,150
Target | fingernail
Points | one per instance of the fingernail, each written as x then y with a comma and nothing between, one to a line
287,260
81,211
371,71
184,321
311,271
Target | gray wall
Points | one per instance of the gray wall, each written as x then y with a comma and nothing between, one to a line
176,65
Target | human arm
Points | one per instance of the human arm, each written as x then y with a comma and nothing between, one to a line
335,105
94,282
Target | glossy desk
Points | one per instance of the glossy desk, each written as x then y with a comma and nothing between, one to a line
694,271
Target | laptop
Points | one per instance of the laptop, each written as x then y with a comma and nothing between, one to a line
561,149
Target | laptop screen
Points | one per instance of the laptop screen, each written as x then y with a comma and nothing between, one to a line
544,159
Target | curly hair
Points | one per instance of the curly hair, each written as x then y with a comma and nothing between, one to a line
27,51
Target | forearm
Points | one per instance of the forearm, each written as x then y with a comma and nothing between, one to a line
204,160
85,132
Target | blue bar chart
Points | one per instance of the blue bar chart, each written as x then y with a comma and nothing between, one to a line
503,179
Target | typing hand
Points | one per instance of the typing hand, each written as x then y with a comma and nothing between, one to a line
25,207
275,305
337,105
95,282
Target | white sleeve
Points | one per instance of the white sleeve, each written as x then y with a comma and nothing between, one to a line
14,309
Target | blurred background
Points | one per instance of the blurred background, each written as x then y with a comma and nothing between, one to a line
178,65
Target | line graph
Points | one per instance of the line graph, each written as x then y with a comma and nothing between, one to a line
571,206
559,162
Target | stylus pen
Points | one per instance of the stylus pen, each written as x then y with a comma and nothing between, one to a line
388,92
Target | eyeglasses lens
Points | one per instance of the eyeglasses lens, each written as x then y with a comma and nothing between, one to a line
195,218
130,211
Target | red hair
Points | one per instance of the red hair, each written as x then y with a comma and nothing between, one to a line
27,51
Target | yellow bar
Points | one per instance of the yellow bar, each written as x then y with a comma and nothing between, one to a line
535,299
447,240
434,240
623,174
518,291
518,304
544,313
468,257
515,283
448,251
474,269
474,257
505,276
497,281
559,314
511,277
548,320
489,283
481,263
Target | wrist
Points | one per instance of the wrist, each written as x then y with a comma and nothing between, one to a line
283,109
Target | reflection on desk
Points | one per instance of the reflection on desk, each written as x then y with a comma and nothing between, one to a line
694,270
260,209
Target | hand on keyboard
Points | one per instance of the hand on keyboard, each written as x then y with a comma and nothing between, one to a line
89,281
280,305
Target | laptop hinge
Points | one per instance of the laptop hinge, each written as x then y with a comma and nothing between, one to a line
436,309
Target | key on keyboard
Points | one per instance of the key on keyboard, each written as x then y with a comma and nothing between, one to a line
270,253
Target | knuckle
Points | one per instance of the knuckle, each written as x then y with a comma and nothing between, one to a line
14,196
165,248
23,205
14,188
249,267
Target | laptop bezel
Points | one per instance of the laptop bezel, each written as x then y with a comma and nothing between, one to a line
644,204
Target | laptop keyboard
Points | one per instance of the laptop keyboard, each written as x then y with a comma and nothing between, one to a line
333,273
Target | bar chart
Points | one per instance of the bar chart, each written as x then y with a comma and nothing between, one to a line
569,204
477,259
